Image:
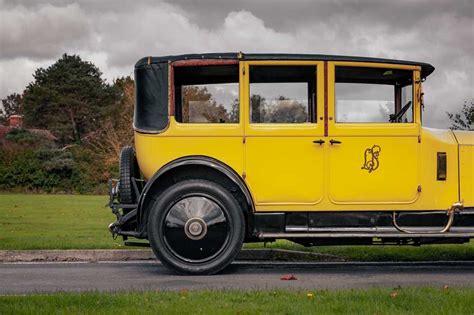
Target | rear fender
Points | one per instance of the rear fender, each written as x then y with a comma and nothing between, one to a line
161,180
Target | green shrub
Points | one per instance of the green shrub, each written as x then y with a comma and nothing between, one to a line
53,170
28,138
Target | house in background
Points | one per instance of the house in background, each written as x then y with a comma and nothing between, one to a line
16,122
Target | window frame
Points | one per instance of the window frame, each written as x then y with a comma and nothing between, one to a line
372,128
315,128
179,129
310,96
179,110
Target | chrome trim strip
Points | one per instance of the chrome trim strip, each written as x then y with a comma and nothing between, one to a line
365,235
457,229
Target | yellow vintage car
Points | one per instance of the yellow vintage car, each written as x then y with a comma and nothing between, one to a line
316,149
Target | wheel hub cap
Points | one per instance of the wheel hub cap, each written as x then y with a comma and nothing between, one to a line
195,228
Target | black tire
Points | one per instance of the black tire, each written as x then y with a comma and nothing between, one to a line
203,203
128,168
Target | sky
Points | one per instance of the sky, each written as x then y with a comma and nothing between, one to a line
115,34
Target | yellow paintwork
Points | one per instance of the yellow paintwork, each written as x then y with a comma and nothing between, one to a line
466,165
161,150
464,137
395,181
285,171
281,159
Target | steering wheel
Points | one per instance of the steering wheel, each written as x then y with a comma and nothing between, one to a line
397,117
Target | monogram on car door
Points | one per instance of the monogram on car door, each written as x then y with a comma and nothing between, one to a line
374,129
284,150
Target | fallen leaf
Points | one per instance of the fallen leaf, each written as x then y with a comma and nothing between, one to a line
394,295
288,277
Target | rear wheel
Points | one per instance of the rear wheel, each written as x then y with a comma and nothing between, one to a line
196,227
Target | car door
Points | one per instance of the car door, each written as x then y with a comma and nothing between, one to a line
373,153
284,151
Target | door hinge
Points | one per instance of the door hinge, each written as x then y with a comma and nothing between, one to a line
419,139
243,140
243,70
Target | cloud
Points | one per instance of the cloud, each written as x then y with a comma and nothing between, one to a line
40,33
17,73
115,34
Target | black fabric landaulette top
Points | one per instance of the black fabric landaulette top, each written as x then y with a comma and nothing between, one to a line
426,68
151,98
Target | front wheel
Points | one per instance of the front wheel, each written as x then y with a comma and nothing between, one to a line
196,227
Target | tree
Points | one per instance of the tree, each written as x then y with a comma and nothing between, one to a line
69,98
464,119
200,106
279,110
257,105
116,130
288,111
12,105
234,111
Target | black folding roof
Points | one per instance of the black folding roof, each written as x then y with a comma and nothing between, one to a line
426,68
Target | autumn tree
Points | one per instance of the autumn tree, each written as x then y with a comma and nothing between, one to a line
464,119
116,130
12,105
69,98
234,111
200,106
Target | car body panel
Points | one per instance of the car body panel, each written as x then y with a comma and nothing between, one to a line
285,171
465,140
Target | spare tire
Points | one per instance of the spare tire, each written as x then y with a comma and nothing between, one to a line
128,169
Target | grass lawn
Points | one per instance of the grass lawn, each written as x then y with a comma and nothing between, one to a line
383,253
80,222
55,222
371,301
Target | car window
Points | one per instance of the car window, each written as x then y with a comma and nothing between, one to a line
373,95
282,94
208,94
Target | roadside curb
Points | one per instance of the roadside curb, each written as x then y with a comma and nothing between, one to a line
7,256
74,255
284,255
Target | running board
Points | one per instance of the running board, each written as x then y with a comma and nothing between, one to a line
365,224
379,230
265,235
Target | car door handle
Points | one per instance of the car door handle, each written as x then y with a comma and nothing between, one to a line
332,141
320,141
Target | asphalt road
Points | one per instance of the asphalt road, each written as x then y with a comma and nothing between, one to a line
17,278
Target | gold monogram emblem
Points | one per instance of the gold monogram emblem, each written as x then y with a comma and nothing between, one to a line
371,158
